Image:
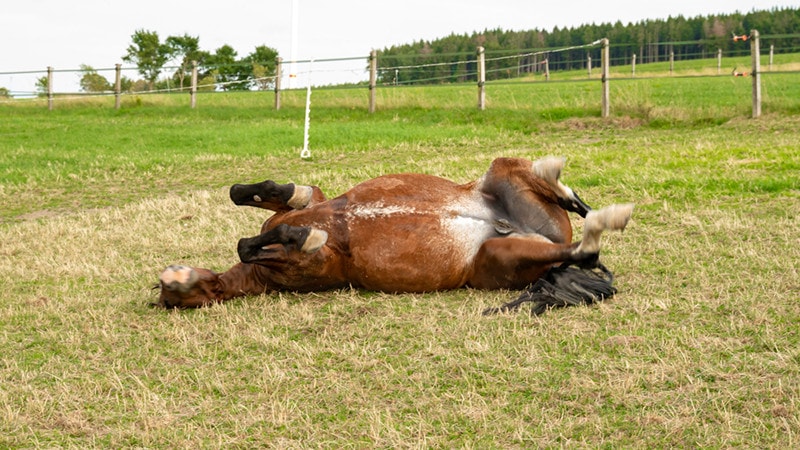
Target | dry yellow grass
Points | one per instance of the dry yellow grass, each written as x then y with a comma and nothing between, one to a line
700,348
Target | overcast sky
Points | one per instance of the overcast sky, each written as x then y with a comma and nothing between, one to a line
64,34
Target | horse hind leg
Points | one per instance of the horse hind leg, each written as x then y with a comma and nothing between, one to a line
549,169
614,217
276,197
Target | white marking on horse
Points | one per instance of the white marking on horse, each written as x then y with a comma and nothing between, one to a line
379,209
180,278
467,224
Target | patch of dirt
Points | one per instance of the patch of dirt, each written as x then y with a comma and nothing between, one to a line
48,214
594,123
623,341
41,214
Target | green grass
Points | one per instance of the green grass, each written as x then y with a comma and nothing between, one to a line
698,349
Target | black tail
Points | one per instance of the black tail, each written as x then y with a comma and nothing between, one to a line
565,285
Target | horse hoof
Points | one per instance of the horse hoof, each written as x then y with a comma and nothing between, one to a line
619,215
315,240
614,217
549,168
178,278
301,197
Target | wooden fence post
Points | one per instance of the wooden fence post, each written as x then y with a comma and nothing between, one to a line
49,88
118,86
193,90
373,79
719,61
633,66
605,62
278,75
481,79
755,52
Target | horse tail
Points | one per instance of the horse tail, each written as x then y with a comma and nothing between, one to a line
562,286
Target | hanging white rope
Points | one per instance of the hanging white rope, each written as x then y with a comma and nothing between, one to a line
306,153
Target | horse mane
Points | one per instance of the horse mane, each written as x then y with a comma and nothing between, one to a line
562,286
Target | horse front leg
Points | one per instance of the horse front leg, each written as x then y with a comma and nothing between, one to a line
279,242
190,287
295,258
276,197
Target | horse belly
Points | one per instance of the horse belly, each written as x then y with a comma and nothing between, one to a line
415,252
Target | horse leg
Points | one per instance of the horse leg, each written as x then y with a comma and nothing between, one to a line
276,243
549,169
189,287
527,202
515,261
614,217
276,197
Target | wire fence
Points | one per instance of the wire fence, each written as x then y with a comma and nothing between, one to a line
565,64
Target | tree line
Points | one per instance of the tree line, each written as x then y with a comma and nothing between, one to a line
451,59
175,56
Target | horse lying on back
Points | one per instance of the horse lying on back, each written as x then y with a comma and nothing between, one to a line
406,233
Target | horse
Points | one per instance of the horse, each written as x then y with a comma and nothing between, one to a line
406,233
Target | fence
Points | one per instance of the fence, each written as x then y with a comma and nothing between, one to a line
477,68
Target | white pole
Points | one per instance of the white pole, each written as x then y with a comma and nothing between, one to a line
293,43
306,153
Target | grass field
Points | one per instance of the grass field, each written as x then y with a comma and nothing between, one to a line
700,348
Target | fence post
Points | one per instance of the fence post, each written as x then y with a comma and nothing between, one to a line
605,62
481,79
671,62
547,69
278,75
719,61
373,79
193,90
49,88
771,55
755,52
633,66
589,65
118,86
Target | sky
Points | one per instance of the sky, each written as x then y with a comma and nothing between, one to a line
35,34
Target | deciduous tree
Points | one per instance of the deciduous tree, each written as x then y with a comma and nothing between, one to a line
91,81
262,61
148,53
185,49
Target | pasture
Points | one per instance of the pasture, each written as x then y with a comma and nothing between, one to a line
700,347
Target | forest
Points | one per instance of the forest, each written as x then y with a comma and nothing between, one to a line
451,59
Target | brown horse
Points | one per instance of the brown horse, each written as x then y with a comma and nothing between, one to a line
405,233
